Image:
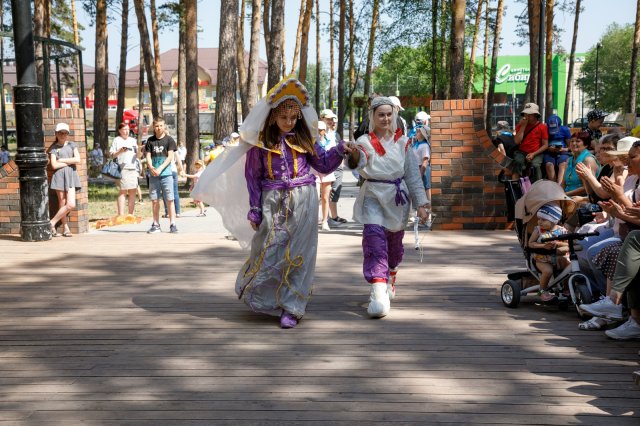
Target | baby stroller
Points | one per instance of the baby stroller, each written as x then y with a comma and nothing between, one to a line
524,283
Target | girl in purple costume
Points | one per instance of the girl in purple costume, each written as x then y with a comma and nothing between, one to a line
278,276
390,175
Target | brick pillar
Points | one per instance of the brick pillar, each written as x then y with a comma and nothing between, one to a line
465,190
10,188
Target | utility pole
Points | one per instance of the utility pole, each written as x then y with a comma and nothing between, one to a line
31,158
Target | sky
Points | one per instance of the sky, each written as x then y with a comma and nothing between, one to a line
598,14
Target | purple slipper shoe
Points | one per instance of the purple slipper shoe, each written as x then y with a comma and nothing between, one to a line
288,320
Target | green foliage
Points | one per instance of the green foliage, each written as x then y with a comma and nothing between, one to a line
614,67
310,84
409,66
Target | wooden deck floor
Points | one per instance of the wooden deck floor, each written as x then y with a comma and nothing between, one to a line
146,329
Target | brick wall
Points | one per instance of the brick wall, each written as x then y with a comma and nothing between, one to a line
465,190
9,184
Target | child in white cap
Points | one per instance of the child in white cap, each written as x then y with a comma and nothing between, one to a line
548,217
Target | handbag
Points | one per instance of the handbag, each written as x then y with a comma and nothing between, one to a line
111,169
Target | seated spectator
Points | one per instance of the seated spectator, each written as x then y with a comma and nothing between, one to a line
4,155
532,140
96,160
579,146
557,155
504,139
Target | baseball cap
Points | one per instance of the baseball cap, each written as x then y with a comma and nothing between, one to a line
62,127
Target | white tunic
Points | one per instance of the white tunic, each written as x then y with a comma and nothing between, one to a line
376,202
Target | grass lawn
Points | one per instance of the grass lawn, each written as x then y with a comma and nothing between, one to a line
102,201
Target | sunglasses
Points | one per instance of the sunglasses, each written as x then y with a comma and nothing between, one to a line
608,148
63,132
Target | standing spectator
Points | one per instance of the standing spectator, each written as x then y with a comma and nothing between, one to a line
63,157
199,169
96,160
422,151
176,170
124,151
160,150
363,128
325,180
336,186
595,118
391,175
4,155
532,140
557,154
182,154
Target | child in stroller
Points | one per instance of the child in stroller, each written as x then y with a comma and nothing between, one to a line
548,217
549,197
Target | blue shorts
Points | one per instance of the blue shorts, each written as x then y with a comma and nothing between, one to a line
426,178
556,159
159,185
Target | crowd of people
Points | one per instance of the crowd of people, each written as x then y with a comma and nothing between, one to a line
601,174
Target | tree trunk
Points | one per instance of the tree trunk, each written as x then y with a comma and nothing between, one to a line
633,83
494,64
156,41
370,48
548,110
296,49
332,74
275,48
304,43
434,49
352,69
534,49
266,24
242,70
76,60
40,17
254,50
485,61
181,122
152,81
140,97
457,49
572,60
191,60
444,60
122,68
318,67
101,88
341,64
474,43
225,117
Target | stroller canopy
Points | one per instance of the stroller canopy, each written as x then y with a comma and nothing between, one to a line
541,193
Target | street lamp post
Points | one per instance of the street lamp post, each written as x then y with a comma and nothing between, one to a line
598,46
30,158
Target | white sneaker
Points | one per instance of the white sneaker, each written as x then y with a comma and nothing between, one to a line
379,303
628,330
391,285
604,308
325,226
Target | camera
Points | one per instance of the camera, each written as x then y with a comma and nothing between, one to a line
587,212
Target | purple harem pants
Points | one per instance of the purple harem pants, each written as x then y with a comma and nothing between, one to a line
382,251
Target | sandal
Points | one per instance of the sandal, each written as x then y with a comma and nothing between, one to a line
67,232
54,232
595,323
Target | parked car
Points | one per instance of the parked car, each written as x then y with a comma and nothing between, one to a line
611,124
580,123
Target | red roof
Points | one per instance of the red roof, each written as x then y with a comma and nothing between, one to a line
207,60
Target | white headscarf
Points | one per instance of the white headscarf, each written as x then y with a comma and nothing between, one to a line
379,101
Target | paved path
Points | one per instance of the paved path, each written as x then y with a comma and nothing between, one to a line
119,327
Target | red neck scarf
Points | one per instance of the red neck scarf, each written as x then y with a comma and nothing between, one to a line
377,146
